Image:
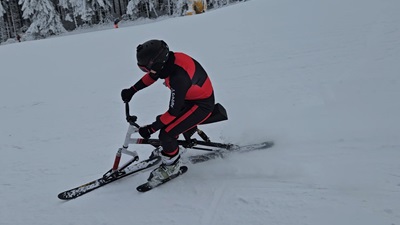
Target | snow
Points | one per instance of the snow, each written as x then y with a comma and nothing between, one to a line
320,78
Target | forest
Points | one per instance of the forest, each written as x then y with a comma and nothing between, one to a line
37,19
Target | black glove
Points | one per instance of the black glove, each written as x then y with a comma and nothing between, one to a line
146,131
127,94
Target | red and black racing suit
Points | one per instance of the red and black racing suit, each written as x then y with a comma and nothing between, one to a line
191,102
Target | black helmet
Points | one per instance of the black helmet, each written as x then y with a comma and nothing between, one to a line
152,55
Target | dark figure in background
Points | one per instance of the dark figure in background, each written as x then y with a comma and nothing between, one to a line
116,23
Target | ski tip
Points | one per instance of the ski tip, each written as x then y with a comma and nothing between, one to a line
183,169
63,196
144,187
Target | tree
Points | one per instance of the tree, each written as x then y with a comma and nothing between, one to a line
45,20
150,7
3,32
15,16
102,9
119,7
134,6
88,11
77,9
2,11
42,18
179,6
218,3
133,9
10,19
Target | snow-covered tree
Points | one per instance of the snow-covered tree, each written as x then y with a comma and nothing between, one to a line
86,10
150,6
77,8
45,19
133,8
2,11
179,7
218,3
3,28
103,9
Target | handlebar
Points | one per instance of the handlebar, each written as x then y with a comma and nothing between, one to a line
130,119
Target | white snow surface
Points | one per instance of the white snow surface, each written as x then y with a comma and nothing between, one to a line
320,78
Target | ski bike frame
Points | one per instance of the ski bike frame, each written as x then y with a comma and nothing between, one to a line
214,150
205,144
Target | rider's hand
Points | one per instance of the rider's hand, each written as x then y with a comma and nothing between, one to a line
127,94
146,131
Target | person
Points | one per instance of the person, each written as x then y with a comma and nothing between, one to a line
116,21
191,100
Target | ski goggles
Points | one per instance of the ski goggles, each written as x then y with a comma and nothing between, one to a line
144,68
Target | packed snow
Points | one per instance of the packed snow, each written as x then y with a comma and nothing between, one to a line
319,78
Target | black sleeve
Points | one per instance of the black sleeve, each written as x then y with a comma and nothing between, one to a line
147,80
180,84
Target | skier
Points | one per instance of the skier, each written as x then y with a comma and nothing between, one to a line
116,21
191,100
18,37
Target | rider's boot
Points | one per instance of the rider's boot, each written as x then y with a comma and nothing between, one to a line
170,165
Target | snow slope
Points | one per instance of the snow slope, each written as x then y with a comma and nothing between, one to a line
320,78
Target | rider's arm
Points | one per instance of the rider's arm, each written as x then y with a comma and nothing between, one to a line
147,80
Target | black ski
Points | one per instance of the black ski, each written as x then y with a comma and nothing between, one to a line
108,178
127,170
217,153
147,186
221,153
